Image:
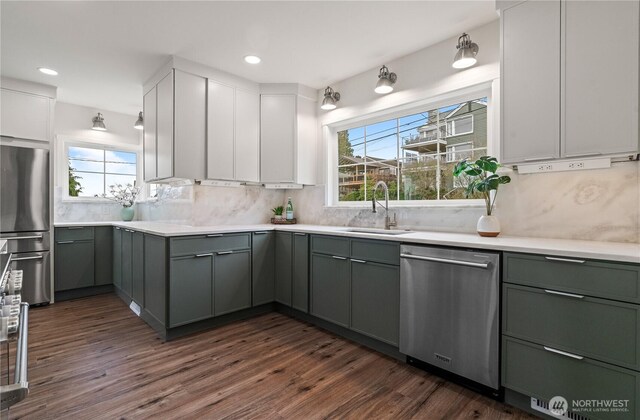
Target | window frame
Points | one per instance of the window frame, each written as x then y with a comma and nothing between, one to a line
330,134
63,162
453,120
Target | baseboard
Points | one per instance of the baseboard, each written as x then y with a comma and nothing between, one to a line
84,292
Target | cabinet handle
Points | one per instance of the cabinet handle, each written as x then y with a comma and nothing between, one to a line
299,234
214,235
358,261
260,233
210,254
225,252
565,260
563,353
75,227
338,258
65,242
571,295
117,228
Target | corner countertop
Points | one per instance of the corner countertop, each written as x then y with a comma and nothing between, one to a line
612,251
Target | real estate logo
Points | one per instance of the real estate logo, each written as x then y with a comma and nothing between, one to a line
558,406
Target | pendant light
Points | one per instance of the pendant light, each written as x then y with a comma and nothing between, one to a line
467,51
98,123
330,99
139,125
385,81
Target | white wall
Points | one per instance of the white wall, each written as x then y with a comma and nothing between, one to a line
73,123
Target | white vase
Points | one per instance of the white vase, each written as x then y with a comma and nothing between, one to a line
488,226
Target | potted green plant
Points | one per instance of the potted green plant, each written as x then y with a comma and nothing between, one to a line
277,212
124,195
483,179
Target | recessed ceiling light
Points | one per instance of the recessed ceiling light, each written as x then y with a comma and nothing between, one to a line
50,72
252,59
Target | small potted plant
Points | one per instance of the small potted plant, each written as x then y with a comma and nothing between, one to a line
124,195
483,180
277,212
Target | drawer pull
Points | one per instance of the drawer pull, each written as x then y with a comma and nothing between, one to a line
338,258
75,227
214,235
565,260
563,353
358,261
117,228
571,295
225,252
210,254
299,234
65,242
260,233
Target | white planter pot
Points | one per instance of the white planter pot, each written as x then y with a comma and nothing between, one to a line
488,226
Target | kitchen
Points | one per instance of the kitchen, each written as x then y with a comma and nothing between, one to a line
280,210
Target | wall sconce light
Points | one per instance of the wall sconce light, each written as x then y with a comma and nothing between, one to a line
330,99
385,81
467,51
139,125
98,123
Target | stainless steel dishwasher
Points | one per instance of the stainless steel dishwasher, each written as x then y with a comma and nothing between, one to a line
449,310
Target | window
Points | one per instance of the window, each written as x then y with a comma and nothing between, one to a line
93,170
414,154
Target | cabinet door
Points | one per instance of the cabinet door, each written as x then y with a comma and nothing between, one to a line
247,138
277,138
149,135
375,300
155,280
232,281
127,261
531,81
24,115
74,265
117,257
300,281
103,255
190,126
264,258
190,289
137,268
330,291
164,127
600,77
283,267
220,132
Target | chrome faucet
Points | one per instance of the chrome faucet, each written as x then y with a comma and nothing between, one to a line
387,221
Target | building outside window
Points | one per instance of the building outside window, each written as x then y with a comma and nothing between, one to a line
414,154
93,169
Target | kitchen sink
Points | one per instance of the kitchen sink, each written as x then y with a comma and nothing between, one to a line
378,231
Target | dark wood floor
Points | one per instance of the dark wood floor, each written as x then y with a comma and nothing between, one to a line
93,358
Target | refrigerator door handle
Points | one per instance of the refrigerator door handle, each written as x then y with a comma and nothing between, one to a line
19,238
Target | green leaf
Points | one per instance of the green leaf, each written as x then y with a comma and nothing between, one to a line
473,171
505,179
487,165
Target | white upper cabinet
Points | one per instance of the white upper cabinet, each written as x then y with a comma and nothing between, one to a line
569,79
247,136
149,135
180,127
288,139
601,44
220,132
530,81
24,115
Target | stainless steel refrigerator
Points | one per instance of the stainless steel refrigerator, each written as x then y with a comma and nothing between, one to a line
24,217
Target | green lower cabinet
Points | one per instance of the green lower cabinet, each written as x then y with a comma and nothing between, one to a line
283,267
117,257
263,266
137,268
300,273
375,300
542,373
231,281
330,289
127,262
103,254
74,264
190,289
155,277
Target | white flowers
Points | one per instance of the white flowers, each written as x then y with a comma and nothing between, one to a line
124,195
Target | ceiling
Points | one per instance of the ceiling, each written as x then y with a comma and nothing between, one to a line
105,51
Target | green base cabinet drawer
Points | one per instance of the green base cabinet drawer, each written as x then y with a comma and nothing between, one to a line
210,243
376,251
531,370
608,280
600,329
74,233
330,245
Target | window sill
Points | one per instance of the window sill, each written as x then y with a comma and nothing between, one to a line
412,204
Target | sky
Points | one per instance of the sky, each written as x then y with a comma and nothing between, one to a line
100,168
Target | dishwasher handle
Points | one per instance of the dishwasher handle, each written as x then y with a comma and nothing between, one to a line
445,261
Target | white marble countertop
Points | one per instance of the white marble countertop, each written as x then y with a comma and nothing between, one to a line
613,251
